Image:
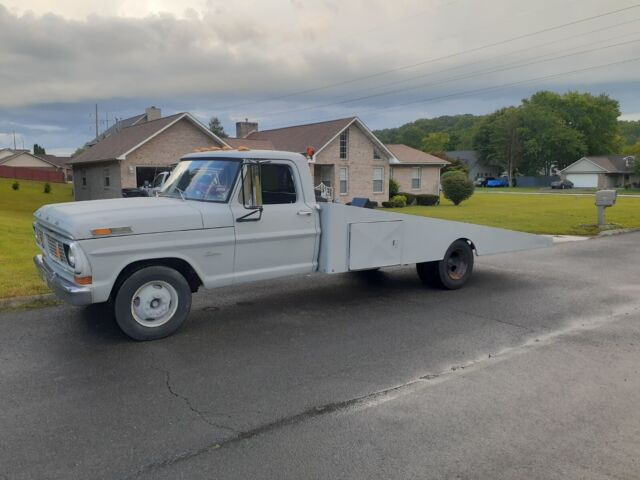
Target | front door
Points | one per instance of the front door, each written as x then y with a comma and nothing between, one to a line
283,241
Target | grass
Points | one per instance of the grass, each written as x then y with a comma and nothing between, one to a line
18,276
621,191
544,214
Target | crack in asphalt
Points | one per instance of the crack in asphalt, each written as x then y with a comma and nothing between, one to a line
187,402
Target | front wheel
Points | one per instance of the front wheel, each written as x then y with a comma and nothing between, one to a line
152,303
453,271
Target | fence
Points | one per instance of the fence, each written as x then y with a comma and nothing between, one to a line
37,174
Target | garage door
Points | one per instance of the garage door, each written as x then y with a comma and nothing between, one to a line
583,179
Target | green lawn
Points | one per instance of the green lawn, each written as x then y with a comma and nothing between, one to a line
547,214
17,273
621,191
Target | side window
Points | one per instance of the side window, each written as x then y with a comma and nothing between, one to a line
344,144
84,177
277,184
107,179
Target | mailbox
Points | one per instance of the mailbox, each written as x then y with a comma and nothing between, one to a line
606,198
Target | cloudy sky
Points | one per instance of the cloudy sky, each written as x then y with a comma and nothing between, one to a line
282,62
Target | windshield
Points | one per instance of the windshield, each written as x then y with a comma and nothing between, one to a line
209,180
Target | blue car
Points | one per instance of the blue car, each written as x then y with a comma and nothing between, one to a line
498,182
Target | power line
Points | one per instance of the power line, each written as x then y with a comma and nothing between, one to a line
444,57
457,67
535,60
488,89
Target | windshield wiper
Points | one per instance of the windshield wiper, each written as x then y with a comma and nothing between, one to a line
181,192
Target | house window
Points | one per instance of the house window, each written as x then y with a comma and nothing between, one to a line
326,174
107,179
416,178
376,154
344,144
344,181
83,173
378,180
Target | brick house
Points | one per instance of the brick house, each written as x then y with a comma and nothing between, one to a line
24,159
346,156
133,154
416,171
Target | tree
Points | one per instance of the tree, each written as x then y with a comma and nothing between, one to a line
455,165
216,127
456,187
38,150
499,140
595,117
547,141
435,142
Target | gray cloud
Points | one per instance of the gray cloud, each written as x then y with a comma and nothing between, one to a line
227,58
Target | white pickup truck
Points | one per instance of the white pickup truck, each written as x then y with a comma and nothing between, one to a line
231,217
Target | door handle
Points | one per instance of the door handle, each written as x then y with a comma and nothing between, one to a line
305,213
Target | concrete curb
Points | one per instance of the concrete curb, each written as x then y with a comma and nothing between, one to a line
618,231
20,301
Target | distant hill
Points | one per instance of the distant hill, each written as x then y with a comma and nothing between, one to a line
460,129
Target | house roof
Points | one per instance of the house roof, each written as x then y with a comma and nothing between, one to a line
470,157
411,156
298,137
609,163
118,145
250,143
119,125
27,152
56,160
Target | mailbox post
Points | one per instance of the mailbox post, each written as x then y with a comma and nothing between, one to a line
604,199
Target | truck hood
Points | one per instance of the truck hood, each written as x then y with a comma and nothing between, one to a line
140,214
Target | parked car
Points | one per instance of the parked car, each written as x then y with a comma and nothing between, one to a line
562,184
498,182
482,181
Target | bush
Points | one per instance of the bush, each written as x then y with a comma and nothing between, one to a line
47,188
411,197
15,185
453,173
371,204
399,201
456,187
394,188
427,199
387,205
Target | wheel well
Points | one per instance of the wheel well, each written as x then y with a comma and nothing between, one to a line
471,244
177,264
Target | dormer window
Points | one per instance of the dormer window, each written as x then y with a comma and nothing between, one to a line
628,161
376,154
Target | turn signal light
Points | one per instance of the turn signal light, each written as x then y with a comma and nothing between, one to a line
83,280
101,231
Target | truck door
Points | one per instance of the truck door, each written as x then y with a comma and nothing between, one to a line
282,241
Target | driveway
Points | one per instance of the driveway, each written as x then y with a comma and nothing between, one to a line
529,372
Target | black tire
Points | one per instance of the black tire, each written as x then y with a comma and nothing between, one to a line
163,299
453,271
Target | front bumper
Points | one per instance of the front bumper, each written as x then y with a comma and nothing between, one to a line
65,290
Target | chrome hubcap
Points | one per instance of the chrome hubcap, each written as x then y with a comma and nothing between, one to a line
154,303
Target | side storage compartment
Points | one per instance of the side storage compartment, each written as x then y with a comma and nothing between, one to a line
375,244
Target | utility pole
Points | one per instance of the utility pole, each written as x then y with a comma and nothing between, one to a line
96,120
14,140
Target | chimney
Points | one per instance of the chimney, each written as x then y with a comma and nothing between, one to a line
243,129
152,113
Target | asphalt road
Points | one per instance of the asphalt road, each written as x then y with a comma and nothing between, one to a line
531,371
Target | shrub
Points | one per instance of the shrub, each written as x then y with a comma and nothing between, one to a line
47,188
386,205
399,201
427,199
411,197
15,185
394,188
453,173
371,204
456,187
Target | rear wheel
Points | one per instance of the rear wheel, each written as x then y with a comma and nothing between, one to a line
152,303
453,271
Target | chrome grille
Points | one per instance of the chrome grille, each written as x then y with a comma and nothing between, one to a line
55,249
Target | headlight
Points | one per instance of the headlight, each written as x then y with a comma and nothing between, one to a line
71,254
